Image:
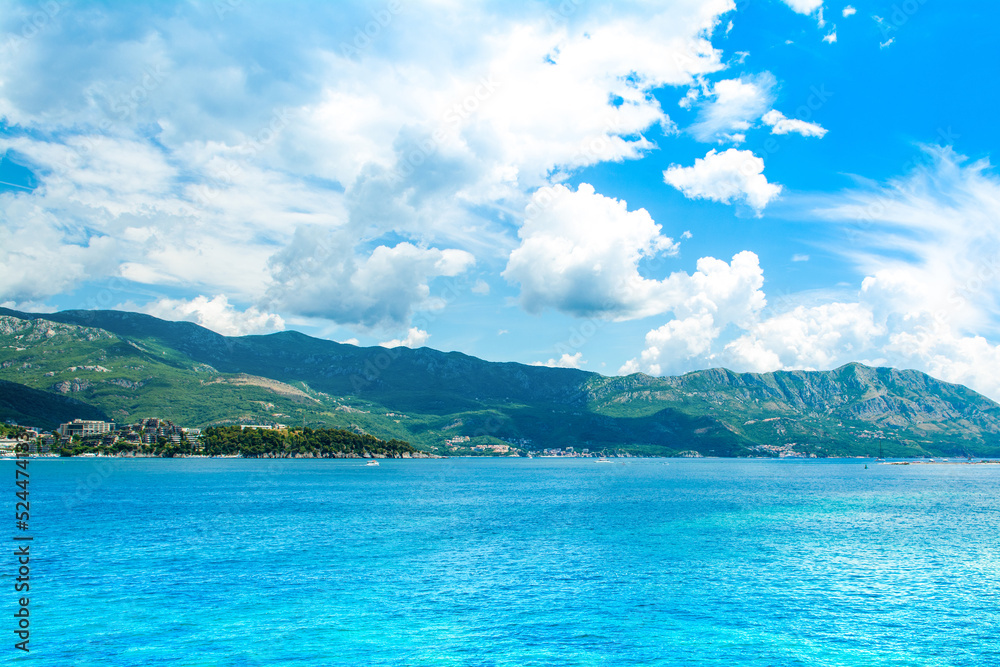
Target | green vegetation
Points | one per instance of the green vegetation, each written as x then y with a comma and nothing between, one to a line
29,406
10,431
319,443
128,366
249,443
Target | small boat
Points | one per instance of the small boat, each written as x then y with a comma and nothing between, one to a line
373,462
603,460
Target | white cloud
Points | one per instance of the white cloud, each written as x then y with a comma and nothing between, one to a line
351,341
481,287
800,258
321,275
414,338
804,6
690,97
831,38
730,292
734,104
970,360
929,241
216,314
41,259
782,125
567,360
181,133
112,175
713,297
887,43
817,338
734,175
675,342
928,244
849,11
119,208
580,253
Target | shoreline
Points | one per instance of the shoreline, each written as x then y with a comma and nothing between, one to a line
427,456
939,463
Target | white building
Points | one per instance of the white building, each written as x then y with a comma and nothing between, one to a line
83,428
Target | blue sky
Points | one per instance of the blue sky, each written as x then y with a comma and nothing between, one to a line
636,186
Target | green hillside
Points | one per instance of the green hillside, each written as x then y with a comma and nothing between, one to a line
131,366
25,405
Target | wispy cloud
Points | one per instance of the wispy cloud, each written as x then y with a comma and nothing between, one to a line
731,107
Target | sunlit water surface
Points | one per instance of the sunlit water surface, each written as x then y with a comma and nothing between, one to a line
511,562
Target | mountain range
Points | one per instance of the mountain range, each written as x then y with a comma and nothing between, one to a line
126,366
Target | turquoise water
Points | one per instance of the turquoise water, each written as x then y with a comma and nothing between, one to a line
510,562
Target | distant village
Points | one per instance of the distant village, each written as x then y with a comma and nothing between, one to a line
100,433
146,433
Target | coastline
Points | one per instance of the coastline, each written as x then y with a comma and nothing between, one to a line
427,455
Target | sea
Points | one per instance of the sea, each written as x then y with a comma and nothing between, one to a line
489,562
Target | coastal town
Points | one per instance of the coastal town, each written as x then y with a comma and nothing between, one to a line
98,434
155,437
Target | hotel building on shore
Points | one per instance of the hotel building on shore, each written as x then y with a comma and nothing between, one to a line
84,428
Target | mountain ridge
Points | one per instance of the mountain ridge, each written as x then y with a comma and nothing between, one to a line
416,394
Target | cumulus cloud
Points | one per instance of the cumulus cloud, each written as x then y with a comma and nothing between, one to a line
872,330
820,337
734,175
732,107
804,6
414,338
178,134
716,295
927,244
849,11
322,275
964,359
676,341
817,337
567,360
782,125
580,253
216,314
831,38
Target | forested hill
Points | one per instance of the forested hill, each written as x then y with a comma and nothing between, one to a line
299,443
128,366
